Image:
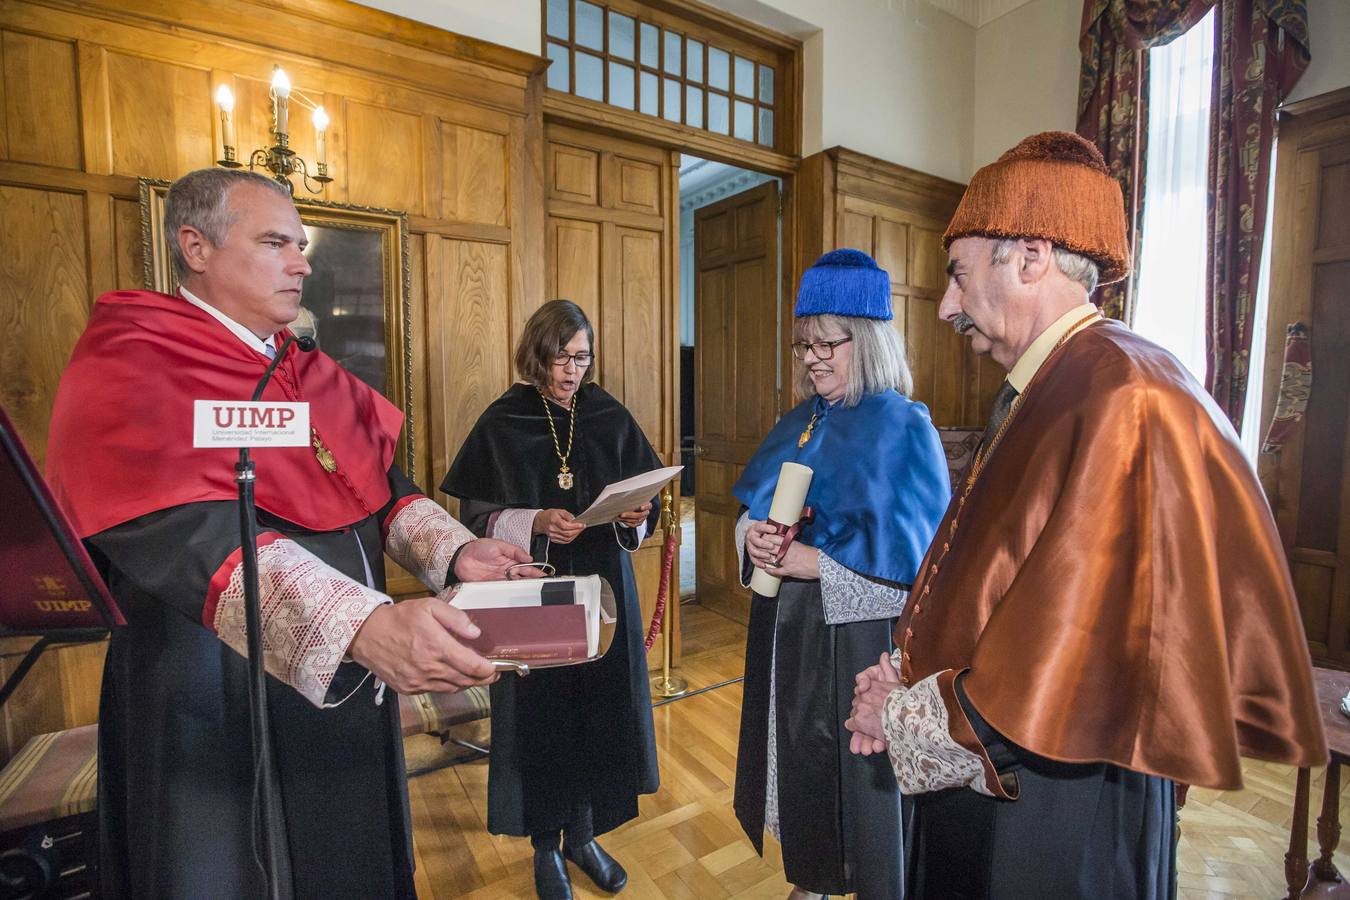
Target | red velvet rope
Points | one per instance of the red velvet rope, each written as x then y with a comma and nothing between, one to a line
663,588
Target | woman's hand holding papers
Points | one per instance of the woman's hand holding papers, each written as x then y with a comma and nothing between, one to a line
635,517
559,524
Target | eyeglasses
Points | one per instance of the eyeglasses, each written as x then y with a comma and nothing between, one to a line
580,360
822,349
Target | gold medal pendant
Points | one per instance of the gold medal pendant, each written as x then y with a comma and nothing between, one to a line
806,435
322,453
565,479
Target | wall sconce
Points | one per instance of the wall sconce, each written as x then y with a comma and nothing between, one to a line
279,159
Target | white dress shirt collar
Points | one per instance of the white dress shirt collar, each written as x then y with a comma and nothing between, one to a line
249,338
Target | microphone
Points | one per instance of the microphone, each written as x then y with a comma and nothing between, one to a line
268,821
305,343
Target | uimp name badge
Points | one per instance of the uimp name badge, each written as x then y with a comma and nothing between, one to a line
237,423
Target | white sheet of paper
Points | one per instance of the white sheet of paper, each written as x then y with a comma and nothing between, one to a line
621,496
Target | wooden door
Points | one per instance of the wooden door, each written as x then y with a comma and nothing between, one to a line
1309,479
612,241
736,358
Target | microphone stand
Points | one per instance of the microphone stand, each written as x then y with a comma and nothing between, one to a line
266,789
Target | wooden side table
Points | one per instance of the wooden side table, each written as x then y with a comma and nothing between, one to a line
1323,881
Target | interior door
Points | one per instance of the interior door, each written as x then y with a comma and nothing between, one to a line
736,361
611,249
1308,480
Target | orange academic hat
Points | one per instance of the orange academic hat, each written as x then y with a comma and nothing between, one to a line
1053,185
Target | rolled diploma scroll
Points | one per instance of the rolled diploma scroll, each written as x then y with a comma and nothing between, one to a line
794,479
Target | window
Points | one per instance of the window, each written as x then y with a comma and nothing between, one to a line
606,55
1170,299
1172,287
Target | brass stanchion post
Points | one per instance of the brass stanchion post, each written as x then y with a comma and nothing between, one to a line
666,684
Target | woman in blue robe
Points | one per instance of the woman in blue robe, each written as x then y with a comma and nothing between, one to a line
879,488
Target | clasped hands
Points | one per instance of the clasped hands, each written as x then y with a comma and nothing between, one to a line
871,687
416,646
762,544
561,526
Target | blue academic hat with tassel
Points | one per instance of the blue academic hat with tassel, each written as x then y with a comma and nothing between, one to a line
845,283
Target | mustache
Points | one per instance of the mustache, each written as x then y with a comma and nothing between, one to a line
962,323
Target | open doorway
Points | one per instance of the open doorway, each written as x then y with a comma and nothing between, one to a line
730,228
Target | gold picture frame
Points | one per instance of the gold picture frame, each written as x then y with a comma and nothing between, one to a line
361,285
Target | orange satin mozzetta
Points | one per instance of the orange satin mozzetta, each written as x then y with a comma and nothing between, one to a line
1114,583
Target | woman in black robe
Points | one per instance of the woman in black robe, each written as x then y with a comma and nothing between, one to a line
572,747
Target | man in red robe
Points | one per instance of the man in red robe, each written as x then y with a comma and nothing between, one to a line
176,771
1106,610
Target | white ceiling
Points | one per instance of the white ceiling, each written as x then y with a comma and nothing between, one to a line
977,12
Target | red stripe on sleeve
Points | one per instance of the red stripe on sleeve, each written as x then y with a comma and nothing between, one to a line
393,513
221,579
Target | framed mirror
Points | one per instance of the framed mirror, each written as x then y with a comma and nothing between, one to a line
357,301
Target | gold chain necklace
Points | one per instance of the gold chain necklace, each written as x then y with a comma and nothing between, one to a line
985,451
565,479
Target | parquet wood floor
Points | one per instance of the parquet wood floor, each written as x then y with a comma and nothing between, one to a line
686,842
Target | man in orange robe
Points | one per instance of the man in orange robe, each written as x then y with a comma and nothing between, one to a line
1106,610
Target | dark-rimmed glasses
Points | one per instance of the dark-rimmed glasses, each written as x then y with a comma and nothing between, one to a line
822,349
580,360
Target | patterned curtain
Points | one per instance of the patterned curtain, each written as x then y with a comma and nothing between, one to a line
1113,95
1261,49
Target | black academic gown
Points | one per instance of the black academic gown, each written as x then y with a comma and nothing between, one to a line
839,813
1075,831
575,734
175,751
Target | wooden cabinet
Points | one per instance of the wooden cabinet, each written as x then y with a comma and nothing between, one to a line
1308,480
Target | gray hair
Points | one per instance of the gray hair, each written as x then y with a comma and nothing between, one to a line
200,200
1075,266
879,359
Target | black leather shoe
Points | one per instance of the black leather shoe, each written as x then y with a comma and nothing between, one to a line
550,876
598,865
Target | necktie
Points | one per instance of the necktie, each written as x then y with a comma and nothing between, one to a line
1003,402
270,351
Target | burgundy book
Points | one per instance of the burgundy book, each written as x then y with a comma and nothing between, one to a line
48,584
554,633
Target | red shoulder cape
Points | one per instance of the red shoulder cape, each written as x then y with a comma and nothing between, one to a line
1115,583
120,444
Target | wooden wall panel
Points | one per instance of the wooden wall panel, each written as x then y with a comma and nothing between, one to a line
574,174
41,96
574,264
384,157
639,294
474,175
891,248
469,366
43,302
161,116
898,215
637,186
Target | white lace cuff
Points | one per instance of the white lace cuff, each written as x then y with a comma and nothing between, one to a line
923,752
310,614
422,537
742,529
849,596
515,526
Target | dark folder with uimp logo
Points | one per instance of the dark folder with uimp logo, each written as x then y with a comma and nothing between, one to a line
48,584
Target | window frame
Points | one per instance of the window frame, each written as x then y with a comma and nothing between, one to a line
712,29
